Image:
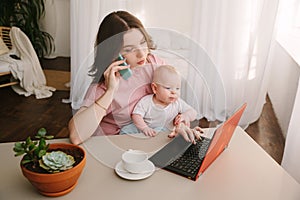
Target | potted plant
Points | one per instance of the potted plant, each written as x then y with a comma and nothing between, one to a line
26,15
52,168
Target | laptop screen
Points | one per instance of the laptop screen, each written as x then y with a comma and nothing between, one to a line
221,138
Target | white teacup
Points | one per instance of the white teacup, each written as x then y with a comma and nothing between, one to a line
135,161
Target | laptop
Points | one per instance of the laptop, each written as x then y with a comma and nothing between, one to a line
191,160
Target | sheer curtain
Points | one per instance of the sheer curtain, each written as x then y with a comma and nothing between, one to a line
237,36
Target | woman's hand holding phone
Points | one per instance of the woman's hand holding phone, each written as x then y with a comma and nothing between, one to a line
125,73
112,74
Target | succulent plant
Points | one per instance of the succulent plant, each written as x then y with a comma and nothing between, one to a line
56,161
36,153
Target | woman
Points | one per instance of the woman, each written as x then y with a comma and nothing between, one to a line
110,100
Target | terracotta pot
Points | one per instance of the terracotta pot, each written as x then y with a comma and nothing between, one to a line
56,184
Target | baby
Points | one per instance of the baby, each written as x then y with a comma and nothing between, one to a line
164,108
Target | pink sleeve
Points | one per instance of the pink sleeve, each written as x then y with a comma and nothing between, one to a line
94,92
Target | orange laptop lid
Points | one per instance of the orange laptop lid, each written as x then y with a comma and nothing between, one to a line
221,139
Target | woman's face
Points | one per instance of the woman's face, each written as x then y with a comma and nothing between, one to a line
135,48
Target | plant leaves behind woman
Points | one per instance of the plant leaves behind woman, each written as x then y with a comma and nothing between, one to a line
26,14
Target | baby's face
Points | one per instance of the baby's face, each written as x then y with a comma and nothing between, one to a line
168,89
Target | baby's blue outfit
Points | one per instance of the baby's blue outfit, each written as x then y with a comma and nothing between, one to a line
132,129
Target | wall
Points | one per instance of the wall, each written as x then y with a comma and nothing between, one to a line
283,84
57,23
177,14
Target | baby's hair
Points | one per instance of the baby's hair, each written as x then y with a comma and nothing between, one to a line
162,70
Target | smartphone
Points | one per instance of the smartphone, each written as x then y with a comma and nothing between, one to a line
125,73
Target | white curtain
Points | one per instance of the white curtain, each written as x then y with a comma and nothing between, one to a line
85,19
237,36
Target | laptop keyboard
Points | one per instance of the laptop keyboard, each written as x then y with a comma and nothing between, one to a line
190,161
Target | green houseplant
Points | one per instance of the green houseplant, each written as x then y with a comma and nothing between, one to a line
26,14
52,168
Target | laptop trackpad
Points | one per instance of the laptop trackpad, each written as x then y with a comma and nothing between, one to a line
170,152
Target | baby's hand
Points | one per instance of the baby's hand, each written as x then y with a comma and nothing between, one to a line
149,132
181,118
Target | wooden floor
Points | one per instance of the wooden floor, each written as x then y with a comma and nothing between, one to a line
23,116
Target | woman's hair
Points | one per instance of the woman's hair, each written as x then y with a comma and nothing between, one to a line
109,40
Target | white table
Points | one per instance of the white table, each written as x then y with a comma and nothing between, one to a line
243,171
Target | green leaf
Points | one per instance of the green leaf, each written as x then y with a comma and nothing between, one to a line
28,141
26,14
18,149
32,147
42,132
42,144
24,145
26,161
41,153
49,137
19,153
18,144
36,151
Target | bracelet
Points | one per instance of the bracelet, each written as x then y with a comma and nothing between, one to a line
101,106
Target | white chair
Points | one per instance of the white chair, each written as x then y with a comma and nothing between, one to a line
4,69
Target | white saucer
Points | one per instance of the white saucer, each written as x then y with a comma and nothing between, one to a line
130,176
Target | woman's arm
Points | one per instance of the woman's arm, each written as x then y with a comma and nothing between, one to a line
87,119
